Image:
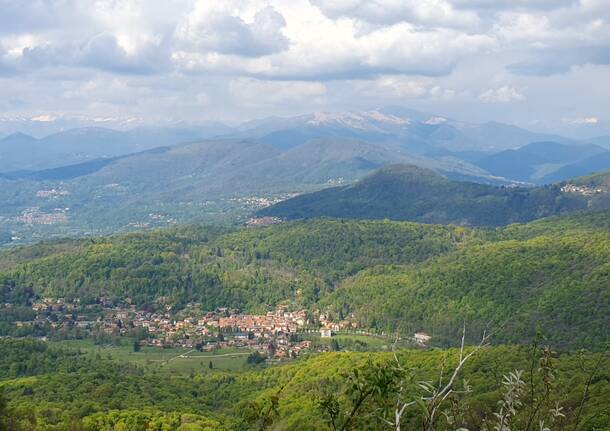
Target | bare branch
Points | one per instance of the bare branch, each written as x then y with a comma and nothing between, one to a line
442,391
602,355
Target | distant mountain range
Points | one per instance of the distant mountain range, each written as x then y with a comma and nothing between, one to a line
19,152
546,162
486,151
406,192
602,141
104,180
215,169
415,131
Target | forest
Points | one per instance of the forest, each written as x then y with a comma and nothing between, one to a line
538,290
59,389
549,276
407,192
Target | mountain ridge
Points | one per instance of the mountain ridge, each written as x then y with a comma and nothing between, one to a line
250,166
532,162
406,192
21,152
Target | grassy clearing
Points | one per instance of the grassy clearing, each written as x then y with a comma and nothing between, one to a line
186,361
181,360
354,342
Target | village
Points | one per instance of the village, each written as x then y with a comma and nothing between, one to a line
581,189
276,335
35,215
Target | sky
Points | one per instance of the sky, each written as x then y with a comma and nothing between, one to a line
540,64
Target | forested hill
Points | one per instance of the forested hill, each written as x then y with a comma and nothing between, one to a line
47,388
550,275
405,192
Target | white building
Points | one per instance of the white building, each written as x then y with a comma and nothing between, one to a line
326,332
422,338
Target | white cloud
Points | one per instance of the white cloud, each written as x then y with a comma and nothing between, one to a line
402,87
102,51
503,94
485,5
384,12
345,54
44,118
23,17
146,58
515,26
581,120
221,27
261,92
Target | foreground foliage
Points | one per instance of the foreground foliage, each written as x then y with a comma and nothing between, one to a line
92,393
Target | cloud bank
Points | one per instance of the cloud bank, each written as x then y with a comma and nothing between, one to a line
238,59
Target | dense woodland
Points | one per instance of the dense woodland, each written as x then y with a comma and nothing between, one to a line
549,276
532,285
58,389
404,192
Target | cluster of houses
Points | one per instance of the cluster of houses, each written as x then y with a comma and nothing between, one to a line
271,334
51,304
274,334
51,193
263,221
262,201
329,327
34,215
583,190
257,201
273,322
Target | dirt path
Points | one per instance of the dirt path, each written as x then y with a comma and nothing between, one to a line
219,356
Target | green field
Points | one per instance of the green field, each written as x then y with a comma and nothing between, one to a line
181,360
184,360
349,342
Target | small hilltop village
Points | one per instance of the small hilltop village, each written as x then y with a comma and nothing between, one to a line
277,334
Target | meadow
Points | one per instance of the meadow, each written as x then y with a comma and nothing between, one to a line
181,360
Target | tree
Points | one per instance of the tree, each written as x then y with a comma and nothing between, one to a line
381,395
259,415
3,410
372,388
436,394
271,349
255,358
365,384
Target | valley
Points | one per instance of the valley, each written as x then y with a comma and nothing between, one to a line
291,269
395,277
151,178
308,215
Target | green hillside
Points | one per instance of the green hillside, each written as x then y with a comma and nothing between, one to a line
550,275
556,284
205,181
337,248
72,391
601,180
250,268
404,192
